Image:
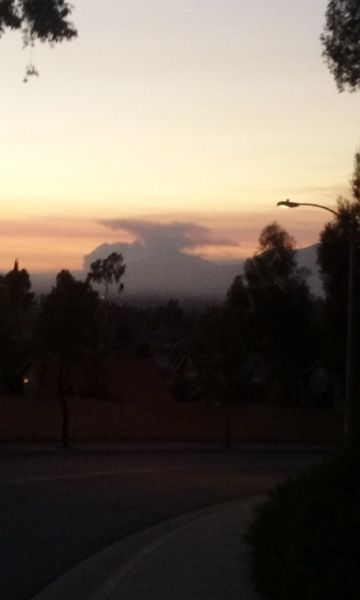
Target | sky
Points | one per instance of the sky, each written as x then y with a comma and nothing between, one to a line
204,112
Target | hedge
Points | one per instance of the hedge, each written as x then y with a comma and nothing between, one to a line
305,539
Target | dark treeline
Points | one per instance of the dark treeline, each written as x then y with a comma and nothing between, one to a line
60,334
269,341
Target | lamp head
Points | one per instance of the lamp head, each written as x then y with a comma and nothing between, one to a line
288,203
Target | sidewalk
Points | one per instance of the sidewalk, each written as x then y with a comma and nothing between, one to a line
203,560
201,556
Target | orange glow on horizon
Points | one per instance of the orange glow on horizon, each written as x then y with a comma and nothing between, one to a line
50,244
170,111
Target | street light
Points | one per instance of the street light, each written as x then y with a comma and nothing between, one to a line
291,204
350,314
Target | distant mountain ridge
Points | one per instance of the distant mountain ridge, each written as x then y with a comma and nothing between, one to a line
175,274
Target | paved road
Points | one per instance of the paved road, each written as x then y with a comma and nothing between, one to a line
57,509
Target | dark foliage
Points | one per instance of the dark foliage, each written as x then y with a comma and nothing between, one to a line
108,271
44,20
333,252
305,539
219,345
18,285
333,261
68,330
69,318
282,307
355,181
274,265
237,295
16,302
341,42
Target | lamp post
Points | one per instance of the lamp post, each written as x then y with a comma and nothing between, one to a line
350,317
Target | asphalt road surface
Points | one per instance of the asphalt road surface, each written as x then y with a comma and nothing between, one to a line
56,508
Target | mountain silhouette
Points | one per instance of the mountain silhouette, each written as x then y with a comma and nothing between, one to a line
169,273
174,273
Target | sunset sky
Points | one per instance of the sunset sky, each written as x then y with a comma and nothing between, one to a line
201,111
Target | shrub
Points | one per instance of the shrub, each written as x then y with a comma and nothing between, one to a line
305,539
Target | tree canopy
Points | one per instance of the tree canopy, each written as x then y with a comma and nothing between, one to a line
18,284
237,295
108,271
333,250
333,261
69,317
274,266
68,329
16,301
44,20
281,305
341,42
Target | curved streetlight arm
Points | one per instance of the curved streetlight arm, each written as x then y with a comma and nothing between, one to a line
291,204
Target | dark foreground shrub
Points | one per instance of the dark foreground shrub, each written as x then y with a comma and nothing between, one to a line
305,539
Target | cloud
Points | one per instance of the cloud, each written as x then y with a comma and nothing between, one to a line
175,236
165,258
162,259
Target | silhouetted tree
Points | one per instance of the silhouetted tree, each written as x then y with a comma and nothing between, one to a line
16,300
68,331
341,41
274,265
355,181
281,304
237,295
44,20
18,284
333,261
333,253
219,346
108,271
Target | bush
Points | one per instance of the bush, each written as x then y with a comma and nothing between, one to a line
305,539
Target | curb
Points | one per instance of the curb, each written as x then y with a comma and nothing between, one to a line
96,577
